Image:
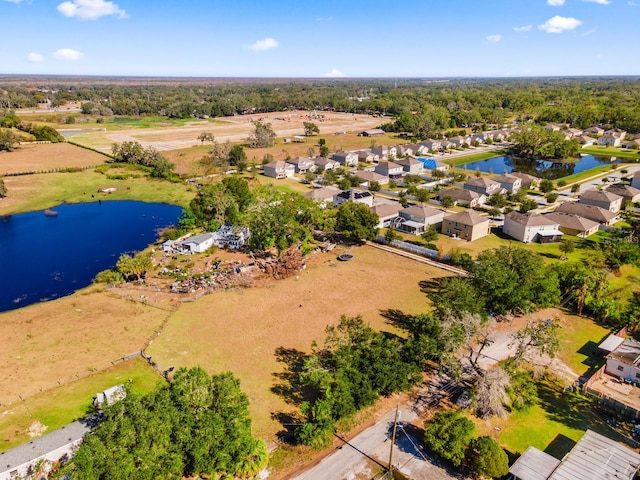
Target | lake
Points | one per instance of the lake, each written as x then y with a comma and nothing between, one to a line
540,168
43,257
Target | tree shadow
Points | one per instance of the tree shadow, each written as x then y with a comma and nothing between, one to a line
397,318
431,286
287,383
560,446
289,422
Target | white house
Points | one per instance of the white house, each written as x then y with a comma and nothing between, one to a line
348,159
390,169
279,169
197,244
358,196
602,198
531,227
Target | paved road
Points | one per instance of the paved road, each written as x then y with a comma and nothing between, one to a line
351,460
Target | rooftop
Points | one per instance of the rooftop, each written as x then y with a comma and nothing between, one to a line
529,219
467,217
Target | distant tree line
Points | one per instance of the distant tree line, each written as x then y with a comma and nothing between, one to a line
422,108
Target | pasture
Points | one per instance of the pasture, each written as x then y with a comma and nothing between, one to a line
241,330
44,157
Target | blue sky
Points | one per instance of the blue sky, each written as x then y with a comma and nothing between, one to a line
327,38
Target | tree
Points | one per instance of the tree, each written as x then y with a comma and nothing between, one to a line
422,195
546,185
540,336
262,136
497,200
447,201
356,221
486,458
134,268
527,205
8,140
448,434
237,156
390,235
310,129
430,234
575,188
566,247
3,188
197,425
128,152
162,168
206,137
551,197
491,393
374,186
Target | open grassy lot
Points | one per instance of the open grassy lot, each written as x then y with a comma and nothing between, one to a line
59,406
37,192
241,330
612,152
53,343
579,338
39,157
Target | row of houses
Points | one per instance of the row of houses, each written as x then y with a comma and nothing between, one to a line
614,137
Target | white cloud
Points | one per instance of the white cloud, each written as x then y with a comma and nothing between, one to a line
560,24
524,28
264,44
90,9
67,54
555,3
494,38
589,32
324,19
600,2
335,73
35,57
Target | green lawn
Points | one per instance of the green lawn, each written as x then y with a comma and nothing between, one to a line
58,407
41,191
612,152
579,338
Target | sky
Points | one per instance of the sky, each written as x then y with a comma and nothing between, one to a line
320,38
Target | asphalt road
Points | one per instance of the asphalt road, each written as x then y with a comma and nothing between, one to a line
356,459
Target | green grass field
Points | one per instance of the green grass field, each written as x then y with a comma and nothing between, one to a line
37,192
60,406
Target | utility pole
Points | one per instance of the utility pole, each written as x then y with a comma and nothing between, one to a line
393,440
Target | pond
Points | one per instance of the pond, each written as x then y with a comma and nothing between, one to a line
539,168
49,254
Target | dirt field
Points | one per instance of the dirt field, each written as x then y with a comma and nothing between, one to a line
234,129
46,157
48,344
241,330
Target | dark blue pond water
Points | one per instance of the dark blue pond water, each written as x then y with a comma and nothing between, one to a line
44,257
539,168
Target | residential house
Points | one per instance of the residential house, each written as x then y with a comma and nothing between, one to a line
433,164
403,151
417,218
478,138
594,457
601,198
197,244
612,137
463,197
358,196
368,177
323,196
552,127
510,183
384,152
279,169
325,164
484,185
632,144
303,164
432,145
526,180
458,141
43,452
467,225
595,130
635,180
366,156
387,213
624,361
231,236
411,165
348,159
390,169
571,224
627,192
445,144
498,135
597,214
531,227
418,149
575,132
374,132
586,141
